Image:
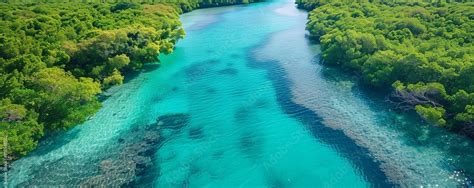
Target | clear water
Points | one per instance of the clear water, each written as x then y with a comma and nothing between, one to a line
243,102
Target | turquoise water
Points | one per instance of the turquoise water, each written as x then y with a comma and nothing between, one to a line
244,102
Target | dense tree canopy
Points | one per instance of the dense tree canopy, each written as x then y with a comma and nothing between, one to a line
424,50
55,58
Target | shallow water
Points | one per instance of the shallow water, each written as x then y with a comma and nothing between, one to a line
243,101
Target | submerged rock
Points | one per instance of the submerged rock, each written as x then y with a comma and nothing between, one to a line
125,164
113,173
196,133
250,144
213,61
173,121
210,90
228,71
138,148
195,71
242,114
123,169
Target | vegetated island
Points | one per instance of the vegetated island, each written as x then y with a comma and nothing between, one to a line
422,50
56,57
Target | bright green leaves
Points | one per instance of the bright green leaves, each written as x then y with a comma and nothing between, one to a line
467,115
117,62
349,49
11,112
62,98
466,78
123,6
409,67
378,69
421,93
413,24
433,115
120,49
459,104
8,47
114,79
367,42
400,34
19,127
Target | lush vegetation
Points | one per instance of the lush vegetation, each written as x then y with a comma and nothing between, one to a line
424,51
55,58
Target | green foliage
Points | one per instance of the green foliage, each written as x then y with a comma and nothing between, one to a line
53,58
114,79
404,44
467,115
379,68
118,61
19,127
434,90
433,115
123,6
61,98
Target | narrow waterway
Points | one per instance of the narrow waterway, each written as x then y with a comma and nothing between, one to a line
243,101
